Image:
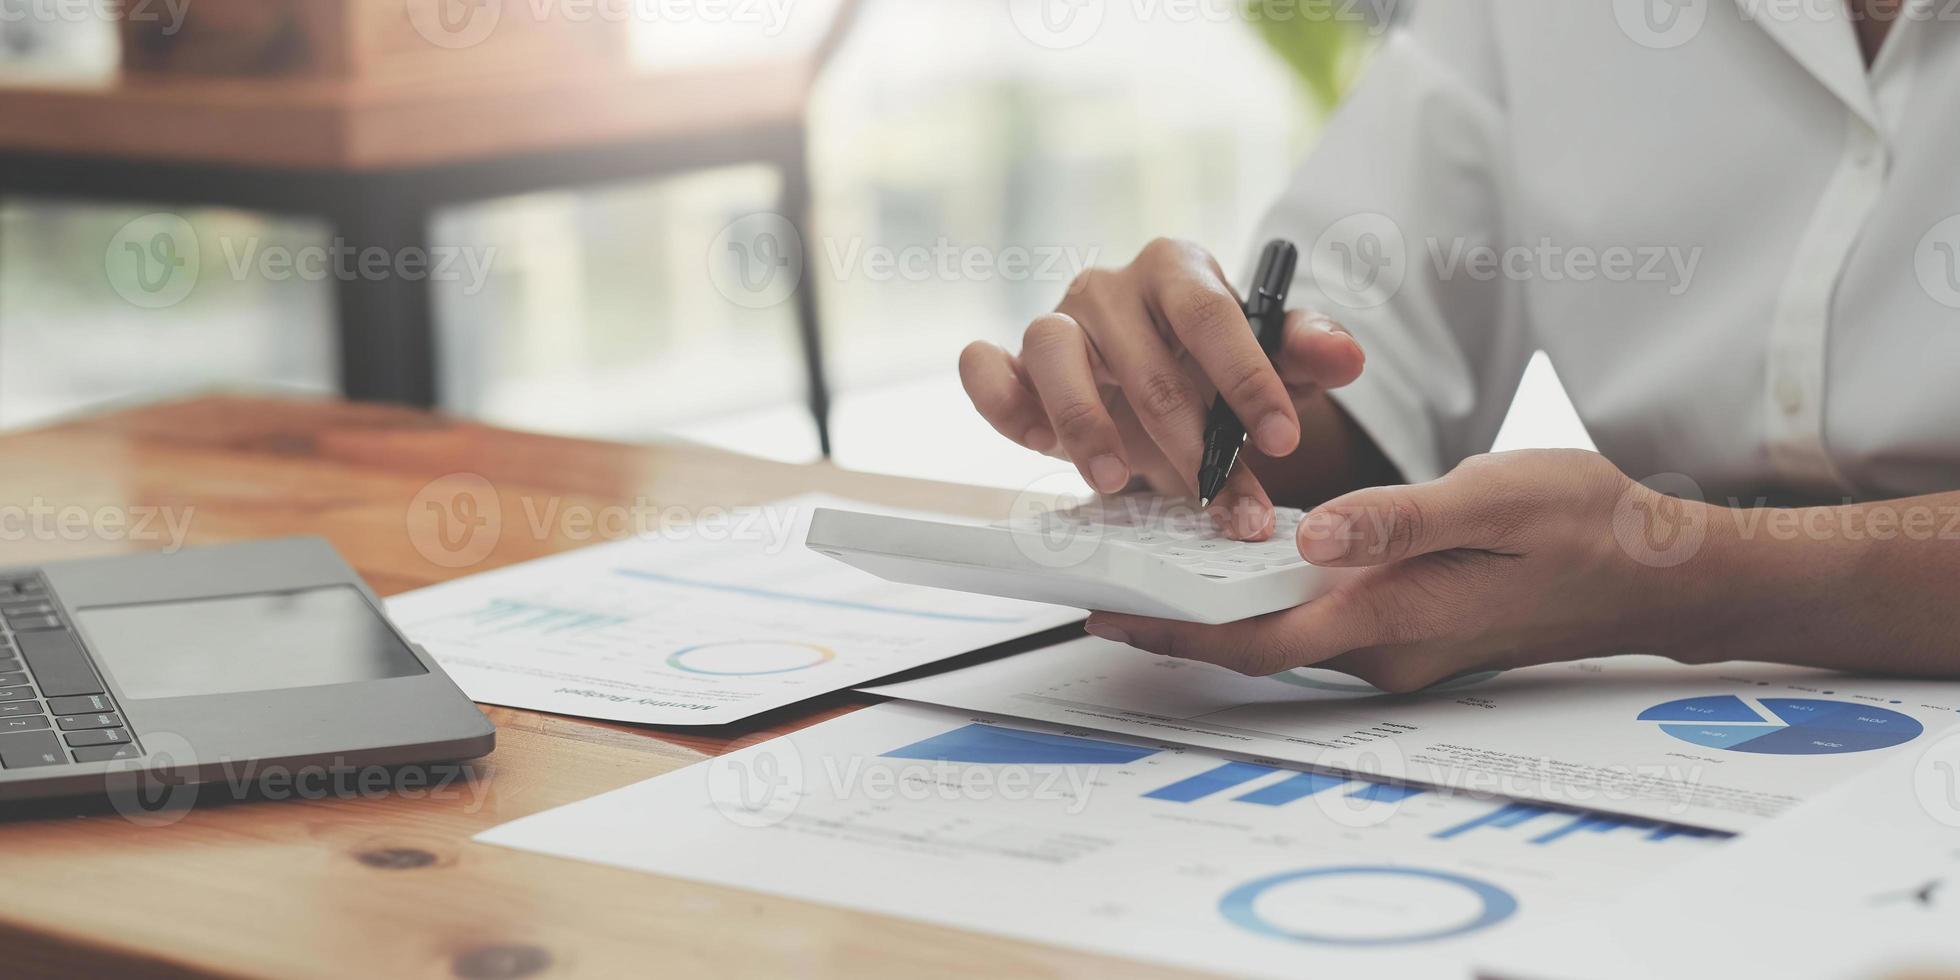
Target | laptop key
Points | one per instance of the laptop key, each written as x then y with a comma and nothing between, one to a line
103,753
16,693
14,709
12,680
84,705
59,665
29,624
76,723
26,750
35,608
28,723
103,736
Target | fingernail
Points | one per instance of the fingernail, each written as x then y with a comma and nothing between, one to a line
1276,435
1324,538
1104,631
1108,474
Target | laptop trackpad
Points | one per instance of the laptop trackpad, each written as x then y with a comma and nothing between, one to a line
239,644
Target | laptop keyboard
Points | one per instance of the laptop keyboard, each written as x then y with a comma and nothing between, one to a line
53,708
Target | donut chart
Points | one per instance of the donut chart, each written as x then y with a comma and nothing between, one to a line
1366,905
1783,726
749,658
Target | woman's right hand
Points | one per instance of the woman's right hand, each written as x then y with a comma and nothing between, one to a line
1119,378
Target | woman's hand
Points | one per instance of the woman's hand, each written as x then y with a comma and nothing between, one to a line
1510,560
1119,378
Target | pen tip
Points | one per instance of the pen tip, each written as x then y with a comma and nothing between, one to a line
1204,502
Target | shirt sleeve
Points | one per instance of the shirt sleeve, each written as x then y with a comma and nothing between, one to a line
1399,212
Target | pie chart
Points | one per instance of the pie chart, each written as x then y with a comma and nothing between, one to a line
1783,726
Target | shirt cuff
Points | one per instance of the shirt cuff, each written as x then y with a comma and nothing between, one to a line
1394,418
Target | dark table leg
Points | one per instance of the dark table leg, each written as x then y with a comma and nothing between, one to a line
796,206
382,293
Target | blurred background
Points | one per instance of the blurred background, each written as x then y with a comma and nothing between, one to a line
965,159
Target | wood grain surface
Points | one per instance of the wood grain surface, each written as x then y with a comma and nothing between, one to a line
388,884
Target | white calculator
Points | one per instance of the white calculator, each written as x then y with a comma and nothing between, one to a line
1146,555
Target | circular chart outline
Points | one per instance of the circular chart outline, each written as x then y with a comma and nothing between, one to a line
1363,687
1781,724
1237,906
826,655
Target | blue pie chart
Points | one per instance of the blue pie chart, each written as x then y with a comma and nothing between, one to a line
1783,726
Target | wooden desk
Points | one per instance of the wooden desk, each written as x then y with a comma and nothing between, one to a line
391,886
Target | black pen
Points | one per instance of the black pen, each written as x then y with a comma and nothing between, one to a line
1265,309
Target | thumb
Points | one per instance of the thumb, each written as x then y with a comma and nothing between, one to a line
1468,508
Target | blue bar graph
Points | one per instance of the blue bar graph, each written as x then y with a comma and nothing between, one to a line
1506,816
1210,781
1384,793
1596,823
989,744
1299,786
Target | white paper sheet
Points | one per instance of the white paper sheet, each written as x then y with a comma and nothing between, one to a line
1725,746
703,626
1115,845
1863,883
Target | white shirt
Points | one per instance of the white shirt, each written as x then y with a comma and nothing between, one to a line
1740,250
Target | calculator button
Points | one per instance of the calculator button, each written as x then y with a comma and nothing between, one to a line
76,723
26,750
86,704
104,753
103,736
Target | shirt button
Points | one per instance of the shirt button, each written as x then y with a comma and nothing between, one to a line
1789,396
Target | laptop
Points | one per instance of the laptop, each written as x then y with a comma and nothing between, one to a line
212,664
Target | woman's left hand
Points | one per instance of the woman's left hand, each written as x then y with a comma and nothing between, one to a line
1511,559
